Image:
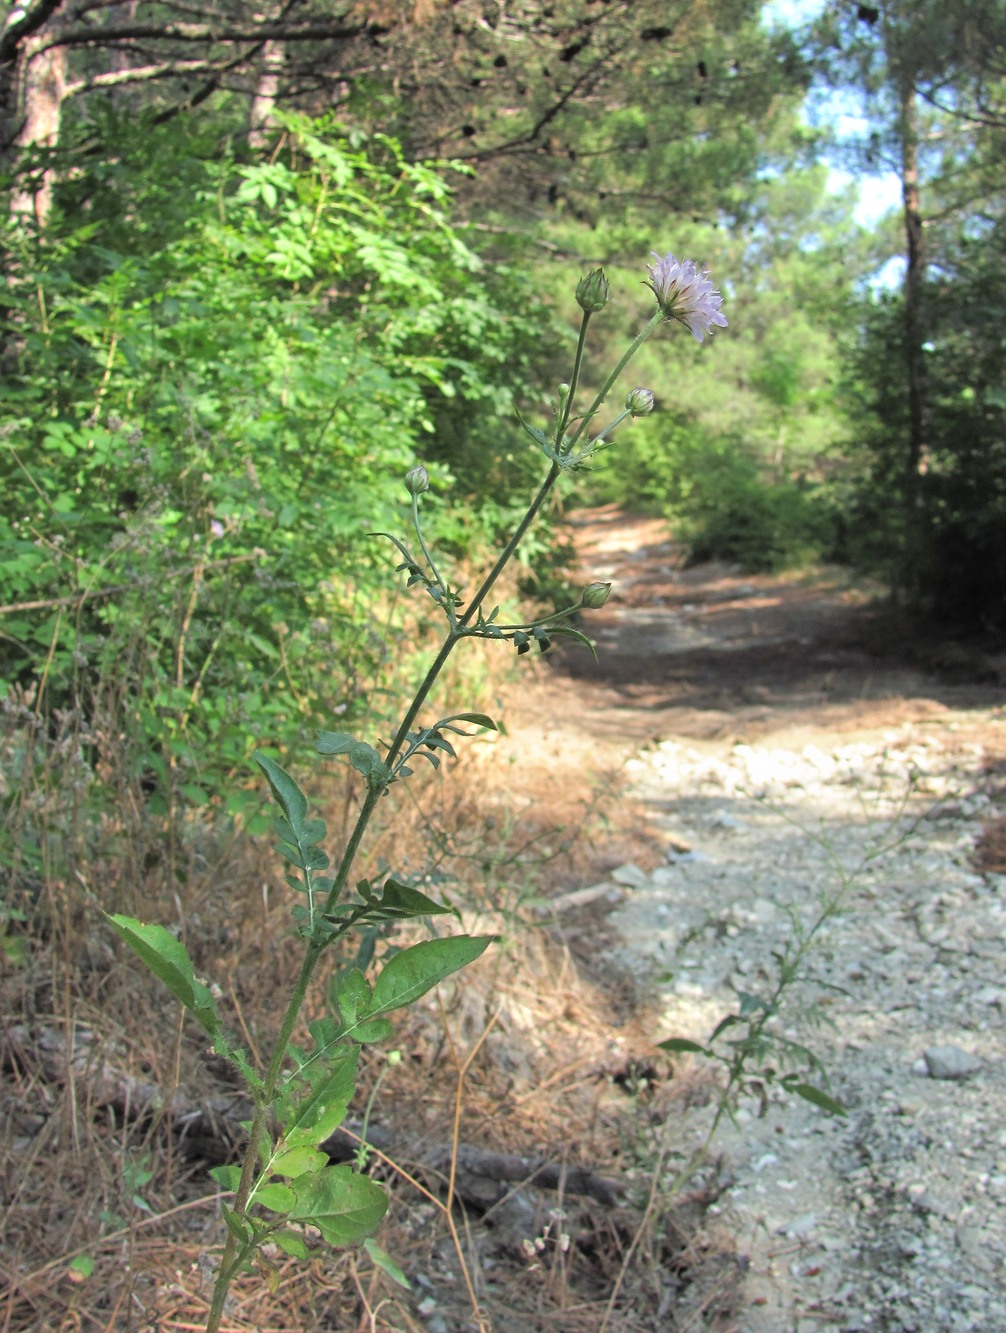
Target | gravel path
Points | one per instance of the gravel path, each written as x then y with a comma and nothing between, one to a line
893,1218
780,766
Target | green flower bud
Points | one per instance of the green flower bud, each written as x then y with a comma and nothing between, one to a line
417,480
563,392
595,595
639,402
593,292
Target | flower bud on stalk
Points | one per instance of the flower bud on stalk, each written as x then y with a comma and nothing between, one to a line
593,292
417,480
639,403
595,595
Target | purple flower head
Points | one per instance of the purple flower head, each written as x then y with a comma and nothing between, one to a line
685,294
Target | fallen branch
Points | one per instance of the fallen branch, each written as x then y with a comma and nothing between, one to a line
210,1127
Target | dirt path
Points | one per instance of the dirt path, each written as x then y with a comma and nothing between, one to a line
784,754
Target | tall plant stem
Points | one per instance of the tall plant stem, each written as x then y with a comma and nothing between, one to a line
511,546
263,1103
266,1095
574,380
608,384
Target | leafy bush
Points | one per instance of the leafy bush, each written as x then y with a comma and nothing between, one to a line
938,531
719,500
213,385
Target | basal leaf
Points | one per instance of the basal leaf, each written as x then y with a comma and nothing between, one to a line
227,1176
321,1111
291,1162
291,1243
371,1029
280,1198
353,997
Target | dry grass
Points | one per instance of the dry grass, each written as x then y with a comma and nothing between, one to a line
529,1052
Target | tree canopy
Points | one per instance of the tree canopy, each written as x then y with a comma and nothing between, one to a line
262,260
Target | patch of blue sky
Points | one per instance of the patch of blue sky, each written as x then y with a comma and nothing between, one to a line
878,193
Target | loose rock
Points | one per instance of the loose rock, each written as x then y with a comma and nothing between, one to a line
950,1062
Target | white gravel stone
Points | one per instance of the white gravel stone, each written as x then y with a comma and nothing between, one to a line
950,1062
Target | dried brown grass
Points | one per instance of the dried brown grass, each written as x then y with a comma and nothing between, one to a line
522,1052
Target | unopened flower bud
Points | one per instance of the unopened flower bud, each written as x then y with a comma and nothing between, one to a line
593,292
417,480
639,402
563,392
595,595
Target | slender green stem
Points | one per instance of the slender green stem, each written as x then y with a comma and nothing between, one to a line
546,620
429,558
263,1105
630,352
612,424
429,680
543,491
574,379
351,848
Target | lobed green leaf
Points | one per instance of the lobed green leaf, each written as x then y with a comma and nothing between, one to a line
289,796
363,757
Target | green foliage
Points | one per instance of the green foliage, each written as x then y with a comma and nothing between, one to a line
937,532
285,1177
742,452
733,512
206,411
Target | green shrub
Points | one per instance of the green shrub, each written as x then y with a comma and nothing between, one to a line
212,388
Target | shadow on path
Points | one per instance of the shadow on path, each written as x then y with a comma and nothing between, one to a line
710,650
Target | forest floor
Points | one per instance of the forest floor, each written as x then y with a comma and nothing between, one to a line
791,749
648,836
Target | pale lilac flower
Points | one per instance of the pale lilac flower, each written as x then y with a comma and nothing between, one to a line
685,294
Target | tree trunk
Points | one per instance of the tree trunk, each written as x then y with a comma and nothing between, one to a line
266,93
40,92
914,276
914,564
